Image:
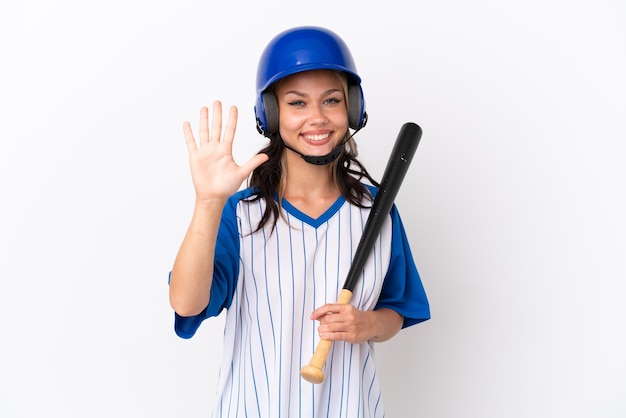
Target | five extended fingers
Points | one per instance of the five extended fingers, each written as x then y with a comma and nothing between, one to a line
214,134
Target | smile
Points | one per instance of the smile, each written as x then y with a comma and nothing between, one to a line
316,138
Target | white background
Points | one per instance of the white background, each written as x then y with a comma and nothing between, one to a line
514,203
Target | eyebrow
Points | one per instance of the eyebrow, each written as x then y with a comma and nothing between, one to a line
326,93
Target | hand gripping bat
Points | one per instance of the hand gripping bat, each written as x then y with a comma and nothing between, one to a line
397,166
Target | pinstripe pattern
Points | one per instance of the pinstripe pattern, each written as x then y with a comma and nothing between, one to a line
268,335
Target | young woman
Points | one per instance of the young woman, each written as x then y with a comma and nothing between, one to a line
274,256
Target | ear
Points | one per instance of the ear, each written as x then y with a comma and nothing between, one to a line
271,113
356,107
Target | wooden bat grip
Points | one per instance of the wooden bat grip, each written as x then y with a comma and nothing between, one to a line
314,371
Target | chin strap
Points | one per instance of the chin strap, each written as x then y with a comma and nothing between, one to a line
314,159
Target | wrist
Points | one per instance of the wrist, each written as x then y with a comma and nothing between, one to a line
386,323
210,203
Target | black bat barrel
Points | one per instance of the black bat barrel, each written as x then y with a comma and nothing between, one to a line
397,166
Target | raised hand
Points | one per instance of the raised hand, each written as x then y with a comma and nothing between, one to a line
214,172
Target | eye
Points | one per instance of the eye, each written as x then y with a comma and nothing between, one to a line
296,103
333,100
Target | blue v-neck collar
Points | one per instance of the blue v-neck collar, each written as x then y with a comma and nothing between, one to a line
314,222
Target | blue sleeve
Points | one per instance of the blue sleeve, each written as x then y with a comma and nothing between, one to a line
403,290
225,273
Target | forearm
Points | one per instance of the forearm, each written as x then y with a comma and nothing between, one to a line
191,278
386,324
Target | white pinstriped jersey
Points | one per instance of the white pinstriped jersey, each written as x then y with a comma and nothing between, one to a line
269,282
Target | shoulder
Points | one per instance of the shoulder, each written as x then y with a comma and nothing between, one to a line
372,189
241,195
234,202
244,194
393,211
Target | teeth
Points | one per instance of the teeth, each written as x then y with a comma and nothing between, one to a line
316,137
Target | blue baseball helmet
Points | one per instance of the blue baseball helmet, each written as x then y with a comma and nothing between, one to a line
302,49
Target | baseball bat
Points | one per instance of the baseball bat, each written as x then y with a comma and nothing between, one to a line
397,166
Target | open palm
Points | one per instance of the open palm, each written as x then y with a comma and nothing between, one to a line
214,172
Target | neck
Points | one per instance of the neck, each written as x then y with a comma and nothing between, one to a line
305,186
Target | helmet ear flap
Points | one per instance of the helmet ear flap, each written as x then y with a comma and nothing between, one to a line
271,113
356,107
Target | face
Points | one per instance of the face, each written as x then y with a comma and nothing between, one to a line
313,115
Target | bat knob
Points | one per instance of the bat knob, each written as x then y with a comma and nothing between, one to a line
312,374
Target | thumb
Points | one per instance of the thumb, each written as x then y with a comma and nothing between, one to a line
254,162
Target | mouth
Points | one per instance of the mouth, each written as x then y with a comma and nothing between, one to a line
317,139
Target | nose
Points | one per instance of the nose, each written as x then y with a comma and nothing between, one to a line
318,114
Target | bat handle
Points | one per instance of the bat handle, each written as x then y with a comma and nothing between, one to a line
314,371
